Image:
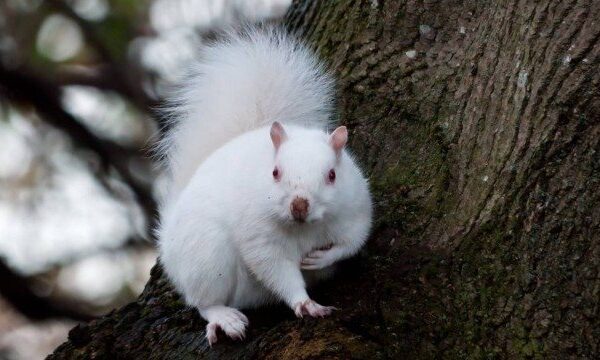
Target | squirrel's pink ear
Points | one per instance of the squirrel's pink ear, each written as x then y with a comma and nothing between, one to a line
278,134
338,139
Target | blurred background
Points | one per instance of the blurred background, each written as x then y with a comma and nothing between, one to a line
80,85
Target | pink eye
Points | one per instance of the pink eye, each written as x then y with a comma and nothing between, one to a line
331,176
276,173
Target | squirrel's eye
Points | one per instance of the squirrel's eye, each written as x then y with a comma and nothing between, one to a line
331,176
276,173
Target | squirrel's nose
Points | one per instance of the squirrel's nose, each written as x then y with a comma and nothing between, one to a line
299,209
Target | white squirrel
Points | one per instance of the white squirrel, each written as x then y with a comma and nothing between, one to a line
262,199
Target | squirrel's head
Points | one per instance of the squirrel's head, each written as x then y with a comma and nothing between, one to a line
307,172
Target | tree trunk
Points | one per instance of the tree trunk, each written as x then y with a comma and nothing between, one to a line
478,124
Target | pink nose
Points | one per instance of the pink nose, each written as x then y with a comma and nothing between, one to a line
299,208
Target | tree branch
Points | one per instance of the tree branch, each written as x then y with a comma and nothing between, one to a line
23,87
124,77
14,288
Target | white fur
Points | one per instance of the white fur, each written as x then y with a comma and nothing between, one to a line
227,236
239,84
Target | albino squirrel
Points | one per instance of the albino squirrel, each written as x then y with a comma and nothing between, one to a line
261,198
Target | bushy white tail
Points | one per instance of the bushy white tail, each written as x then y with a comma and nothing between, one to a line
250,79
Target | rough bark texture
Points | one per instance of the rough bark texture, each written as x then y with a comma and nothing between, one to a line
478,124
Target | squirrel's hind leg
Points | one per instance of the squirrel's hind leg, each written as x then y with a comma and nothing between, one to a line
230,320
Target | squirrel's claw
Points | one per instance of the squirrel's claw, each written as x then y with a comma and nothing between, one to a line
231,321
317,259
313,309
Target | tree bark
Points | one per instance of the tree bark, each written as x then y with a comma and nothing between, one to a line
478,125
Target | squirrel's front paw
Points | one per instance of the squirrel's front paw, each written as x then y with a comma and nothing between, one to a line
311,308
231,321
318,259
